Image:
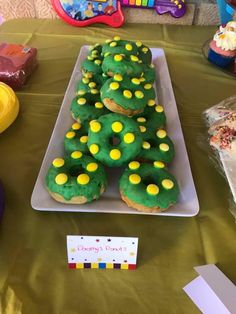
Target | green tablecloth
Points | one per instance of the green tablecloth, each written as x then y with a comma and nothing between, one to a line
34,277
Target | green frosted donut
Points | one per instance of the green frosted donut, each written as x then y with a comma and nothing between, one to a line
157,146
147,187
128,96
144,53
124,65
76,179
90,84
87,107
114,139
76,138
92,65
118,46
152,118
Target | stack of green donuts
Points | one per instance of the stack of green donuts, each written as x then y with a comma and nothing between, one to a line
117,123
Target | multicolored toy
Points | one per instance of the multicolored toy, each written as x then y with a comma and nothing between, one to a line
83,12
176,8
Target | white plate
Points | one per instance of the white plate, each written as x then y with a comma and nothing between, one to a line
110,202
229,165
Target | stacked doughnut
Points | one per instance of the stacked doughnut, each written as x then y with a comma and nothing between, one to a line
117,124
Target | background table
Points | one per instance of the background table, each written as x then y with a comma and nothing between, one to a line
34,277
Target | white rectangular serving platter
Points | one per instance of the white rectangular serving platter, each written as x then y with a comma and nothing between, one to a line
110,202
229,166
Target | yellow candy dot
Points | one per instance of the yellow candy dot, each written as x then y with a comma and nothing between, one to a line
94,91
99,105
145,49
135,81
148,86
164,147
98,62
81,92
94,149
70,134
114,85
84,139
94,52
107,41
133,165
107,54
58,162
139,43
90,58
127,93
134,58
81,101
76,154
83,179
142,79
128,47
76,126
129,138
142,129
95,126
61,179
141,119
138,94
115,154
152,66
134,178
85,80
151,102
88,75
92,84
146,145
92,166
116,38
159,164
161,133
167,184
117,127
113,44
118,58
159,108
118,77
152,189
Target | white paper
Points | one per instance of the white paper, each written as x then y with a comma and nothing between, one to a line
212,291
100,249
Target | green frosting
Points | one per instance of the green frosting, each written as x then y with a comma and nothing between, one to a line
155,152
89,84
75,139
107,139
153,119
92,64
73,168
145,54
125,67
95,50
118,95
90,110
124,47
149,175
149,73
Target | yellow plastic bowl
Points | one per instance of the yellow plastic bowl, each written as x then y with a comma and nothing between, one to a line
9,106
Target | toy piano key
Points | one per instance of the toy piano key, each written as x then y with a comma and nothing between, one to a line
86,12
176,8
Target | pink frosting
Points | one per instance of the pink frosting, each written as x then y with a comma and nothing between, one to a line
228,53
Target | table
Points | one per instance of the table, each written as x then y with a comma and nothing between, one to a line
34,277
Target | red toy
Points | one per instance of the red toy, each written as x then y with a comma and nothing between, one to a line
86,12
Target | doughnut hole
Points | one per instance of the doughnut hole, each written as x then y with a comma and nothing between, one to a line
114,140
76,171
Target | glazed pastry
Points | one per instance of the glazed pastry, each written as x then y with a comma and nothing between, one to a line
144,53
157,146
78,179
76,138
87,107
118,46
128,96
147,187
114,139
125,65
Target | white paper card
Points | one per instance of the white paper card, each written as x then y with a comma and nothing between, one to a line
102,252
212,291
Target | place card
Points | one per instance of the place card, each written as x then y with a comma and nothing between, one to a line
102,252
212,291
